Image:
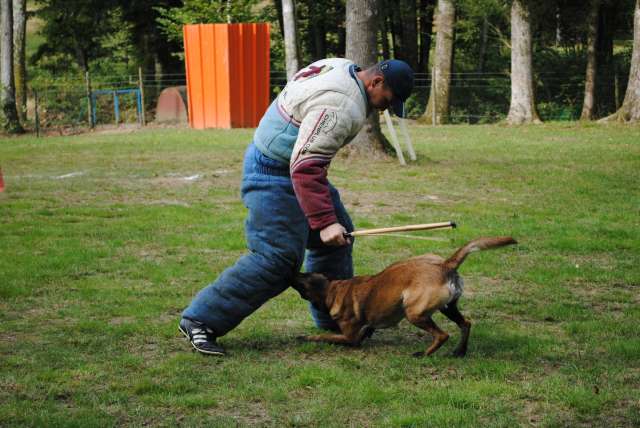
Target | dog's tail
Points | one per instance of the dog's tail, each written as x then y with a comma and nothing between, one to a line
477,245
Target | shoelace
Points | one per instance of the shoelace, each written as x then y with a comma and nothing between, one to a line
201,335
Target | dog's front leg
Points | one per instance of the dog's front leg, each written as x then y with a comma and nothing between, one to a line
339,339
352,335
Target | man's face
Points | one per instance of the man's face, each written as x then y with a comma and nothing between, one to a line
380,96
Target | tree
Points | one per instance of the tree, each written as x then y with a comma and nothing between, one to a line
171,19
590,78
443,64
19,57
425,19
74,30
406,39
522,109
7,91
482,53
630,110
362,48
318,22
290,38
151,49
608,22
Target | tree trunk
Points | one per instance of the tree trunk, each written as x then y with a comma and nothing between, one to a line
409,33
19,58
426,26
630,110
278,4
341,10
605,95
7,87
523,109
482,55
443,64
558,26
290,38
362,16
588,105
396,30
384,36
318,29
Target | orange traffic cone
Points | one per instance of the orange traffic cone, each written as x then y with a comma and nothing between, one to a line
1,182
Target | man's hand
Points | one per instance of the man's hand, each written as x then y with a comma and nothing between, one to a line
334,235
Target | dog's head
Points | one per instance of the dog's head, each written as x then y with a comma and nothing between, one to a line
312,287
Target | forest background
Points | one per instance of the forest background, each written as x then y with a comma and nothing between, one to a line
112,39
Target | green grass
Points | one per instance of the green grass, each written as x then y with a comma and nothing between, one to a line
96,268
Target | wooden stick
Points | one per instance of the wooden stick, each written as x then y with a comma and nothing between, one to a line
421,238
444,225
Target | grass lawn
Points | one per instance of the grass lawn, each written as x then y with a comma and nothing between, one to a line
105,238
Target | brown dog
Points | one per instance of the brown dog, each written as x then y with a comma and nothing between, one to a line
412,289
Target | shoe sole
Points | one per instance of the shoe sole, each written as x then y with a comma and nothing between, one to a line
185,334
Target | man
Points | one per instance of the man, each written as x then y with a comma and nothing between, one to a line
292,206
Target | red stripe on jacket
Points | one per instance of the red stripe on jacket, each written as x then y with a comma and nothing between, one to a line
311,187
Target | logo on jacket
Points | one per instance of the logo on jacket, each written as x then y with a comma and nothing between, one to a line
328,122
325,125
311,71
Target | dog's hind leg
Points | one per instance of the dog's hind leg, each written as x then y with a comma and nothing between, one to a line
426,323
451,311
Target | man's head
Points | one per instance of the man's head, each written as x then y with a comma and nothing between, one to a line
388,84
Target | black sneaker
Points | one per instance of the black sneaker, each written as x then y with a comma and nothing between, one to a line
201,337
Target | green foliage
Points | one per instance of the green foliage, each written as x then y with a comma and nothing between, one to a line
74,33
483,96
113,38
171,20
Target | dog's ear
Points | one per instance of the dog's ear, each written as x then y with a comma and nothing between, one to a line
318,282
300,284
310,285
316,289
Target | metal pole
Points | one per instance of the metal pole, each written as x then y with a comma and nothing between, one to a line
89,103
394,137
407,140
35,93
93,110
116,107
141,86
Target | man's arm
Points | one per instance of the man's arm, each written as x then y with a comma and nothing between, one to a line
322,132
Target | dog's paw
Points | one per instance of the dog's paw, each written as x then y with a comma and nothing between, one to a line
418,354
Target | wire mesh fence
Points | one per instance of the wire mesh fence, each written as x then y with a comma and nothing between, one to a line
71,104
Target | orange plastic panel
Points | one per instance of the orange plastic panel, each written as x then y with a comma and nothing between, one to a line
227,74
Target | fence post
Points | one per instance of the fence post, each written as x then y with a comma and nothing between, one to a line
35,94
89,103
116,107
434,117
141,86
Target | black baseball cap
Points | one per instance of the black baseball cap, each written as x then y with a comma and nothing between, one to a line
398,76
